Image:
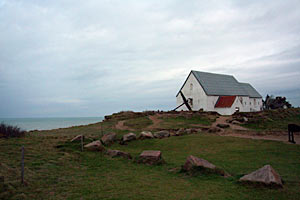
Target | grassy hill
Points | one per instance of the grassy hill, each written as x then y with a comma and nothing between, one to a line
55,168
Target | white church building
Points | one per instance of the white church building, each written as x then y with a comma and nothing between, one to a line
217,92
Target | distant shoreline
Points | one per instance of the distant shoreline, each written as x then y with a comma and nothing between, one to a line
50,123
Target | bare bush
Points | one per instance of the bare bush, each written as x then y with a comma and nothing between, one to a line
8,131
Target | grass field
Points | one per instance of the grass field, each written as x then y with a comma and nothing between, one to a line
184,122
274,119
56,169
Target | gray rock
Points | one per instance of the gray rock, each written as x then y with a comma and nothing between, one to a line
77,138
162,134
180,132
236,122
194,163
266,175
150,158
146,135
117,153
223,125
191,131
214,130
109,138
129,137
95,146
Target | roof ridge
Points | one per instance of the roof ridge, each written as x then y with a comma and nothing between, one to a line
213,73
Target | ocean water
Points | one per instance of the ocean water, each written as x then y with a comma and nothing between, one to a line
49,123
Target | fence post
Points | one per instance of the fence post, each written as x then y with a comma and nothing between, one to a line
22,165
81,142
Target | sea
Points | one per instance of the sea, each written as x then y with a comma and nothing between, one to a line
29,124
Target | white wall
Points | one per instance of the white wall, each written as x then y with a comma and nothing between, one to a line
255,104
195,92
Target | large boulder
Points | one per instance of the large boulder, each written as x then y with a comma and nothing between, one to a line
77,138
129,137
162,134
108,138
265,175
151,158
95,146
117,153
194,164
146,135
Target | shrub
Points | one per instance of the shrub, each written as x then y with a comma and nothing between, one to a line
8,131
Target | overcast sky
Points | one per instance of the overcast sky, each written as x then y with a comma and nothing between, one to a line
91,58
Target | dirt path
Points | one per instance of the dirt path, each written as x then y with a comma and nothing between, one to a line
120,125
235,129
283,138
155,120
222,120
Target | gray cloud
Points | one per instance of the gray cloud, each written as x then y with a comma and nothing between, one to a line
69,58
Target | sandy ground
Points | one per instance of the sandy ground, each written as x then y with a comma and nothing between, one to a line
120,125
155,120
222,120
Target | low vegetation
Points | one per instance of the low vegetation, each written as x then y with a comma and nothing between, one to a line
8,131
176,122
55,168
272,119
138,123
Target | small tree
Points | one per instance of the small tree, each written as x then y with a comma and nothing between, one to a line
275,103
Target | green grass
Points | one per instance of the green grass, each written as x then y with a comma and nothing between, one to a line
57,169
138,123
274,119
185,122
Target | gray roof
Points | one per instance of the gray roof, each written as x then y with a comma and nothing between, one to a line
250,90
223,85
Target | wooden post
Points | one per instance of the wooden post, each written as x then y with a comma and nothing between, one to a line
81,142
22,165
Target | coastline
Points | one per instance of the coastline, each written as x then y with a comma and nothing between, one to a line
50,123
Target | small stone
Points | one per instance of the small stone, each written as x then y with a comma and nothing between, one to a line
109,138
236,122
266,175
146,135
95,146
77,138
180,132
150,158
129,137
162,134
117,153
245,119
191,131
223,125
214,130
